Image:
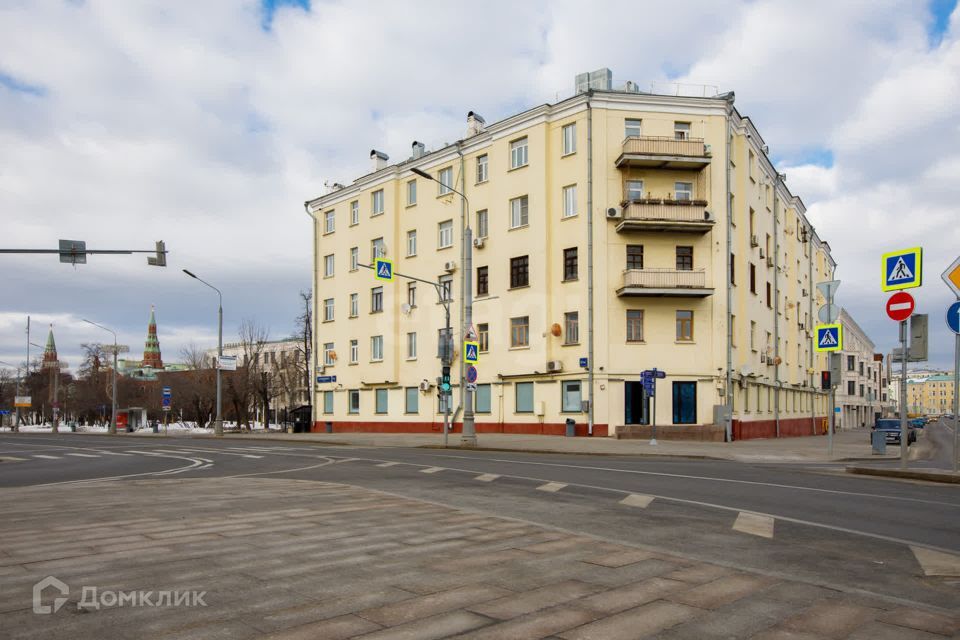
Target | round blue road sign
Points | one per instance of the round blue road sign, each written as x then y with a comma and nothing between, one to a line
471,374
953,317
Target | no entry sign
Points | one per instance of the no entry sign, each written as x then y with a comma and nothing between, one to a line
900,306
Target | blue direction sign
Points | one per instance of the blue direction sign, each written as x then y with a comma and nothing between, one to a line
953,317
653,373
829,337
325,379
584,362
167,392
383,269
471,352
902,269
650,386
471,374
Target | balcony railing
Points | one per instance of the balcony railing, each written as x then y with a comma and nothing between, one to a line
666,215
664,282
668,153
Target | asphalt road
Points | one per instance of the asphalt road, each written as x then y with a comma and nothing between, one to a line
811,523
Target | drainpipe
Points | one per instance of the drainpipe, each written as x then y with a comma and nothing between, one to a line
313,330
776,307
813,410
463,276
729,420
590,355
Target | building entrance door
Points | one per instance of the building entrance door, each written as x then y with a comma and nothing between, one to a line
635,404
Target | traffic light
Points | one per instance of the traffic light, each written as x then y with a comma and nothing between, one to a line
825,380
161,259
445,381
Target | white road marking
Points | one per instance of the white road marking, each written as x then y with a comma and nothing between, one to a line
754,524
552,487
82,455
487,477
388,464
37,455
937,563
11,459
111,453
637,500
431,470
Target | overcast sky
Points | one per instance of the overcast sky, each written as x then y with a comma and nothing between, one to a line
208,124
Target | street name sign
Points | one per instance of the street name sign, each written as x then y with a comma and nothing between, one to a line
829,337
166,392
953,317
584,362
227,363
952,277
383,269
902,269
471,352
326,379
900,306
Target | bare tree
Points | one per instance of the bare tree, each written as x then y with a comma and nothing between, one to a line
305,339
195,388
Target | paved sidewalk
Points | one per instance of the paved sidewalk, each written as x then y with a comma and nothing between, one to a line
290,559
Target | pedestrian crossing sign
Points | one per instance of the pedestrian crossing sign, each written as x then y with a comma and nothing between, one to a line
829,337
471,352
383,269
902,269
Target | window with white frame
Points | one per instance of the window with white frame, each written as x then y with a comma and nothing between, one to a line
377,249
683,191
571,392
411,243
631,128
411,400
519,212
445,181
381,396
482,224
376,299
570,201
354,404
446,287
328,266
354,212
445,234
328,401
412,345
328,354
681,130
354,305
482,168
376,202
482,399
518,153
483,336
376,348
523,397
571,328
354,351
412,294
329,221
411,193
634,190
569,138
328,310
354,258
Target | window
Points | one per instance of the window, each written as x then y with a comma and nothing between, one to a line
412,294
569,138
685,326
354,305
445,233
481,399
328,310
354,212
518,153
520,331
411,243
683,191
634,256
570,201
733,269
482,226
634,190
328,266
861,368
482,169
354,352
519,212
412,346
769,296
354,258
411,402
483,336
753,223
681,130
411,193
445,181
570,264
753,336
750,160
483,282
354,404
377,249
631,128
851,388
446,287
376,202
381,398
851,363
684,258
376,299
376,348
523,397
327,354
634,325
328,401
753,278
684,402
519,272
571,327
570,392
329,222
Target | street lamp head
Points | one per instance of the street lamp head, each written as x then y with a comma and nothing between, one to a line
422,173
189,274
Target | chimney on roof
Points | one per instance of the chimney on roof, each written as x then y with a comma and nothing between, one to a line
378,159
419,149
475,123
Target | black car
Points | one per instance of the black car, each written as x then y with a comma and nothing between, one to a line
890,427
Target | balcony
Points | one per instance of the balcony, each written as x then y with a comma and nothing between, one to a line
664,153
665,283
665,215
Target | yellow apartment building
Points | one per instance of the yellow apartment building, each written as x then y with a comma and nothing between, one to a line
930,395
655,225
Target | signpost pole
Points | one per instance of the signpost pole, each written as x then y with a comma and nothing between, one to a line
956,400
833,391
903,394
653,418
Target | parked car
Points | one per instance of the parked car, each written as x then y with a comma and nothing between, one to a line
890,427
918,423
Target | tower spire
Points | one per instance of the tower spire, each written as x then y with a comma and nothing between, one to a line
50,351
151,350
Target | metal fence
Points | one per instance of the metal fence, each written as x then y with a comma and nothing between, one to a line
665,278
693,211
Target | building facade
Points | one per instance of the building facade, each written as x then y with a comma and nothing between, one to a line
930,395
281,363
861,392
655,225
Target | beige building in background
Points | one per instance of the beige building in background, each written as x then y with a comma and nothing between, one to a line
862,389
930,395
614,194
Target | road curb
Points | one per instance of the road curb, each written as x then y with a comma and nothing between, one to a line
908,474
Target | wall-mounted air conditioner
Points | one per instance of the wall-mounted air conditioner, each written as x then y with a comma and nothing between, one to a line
450,266
553,366
478,243
614,214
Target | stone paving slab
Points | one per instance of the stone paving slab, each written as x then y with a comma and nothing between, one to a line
323,560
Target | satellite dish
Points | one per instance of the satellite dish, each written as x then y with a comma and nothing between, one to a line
405,308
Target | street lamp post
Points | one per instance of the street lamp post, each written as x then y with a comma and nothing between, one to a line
469,435
218,425
113,415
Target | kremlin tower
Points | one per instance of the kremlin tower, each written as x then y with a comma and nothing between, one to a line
50,352
151,351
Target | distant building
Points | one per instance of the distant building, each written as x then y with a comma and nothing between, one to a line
862,390
152,362
283,362
931,394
